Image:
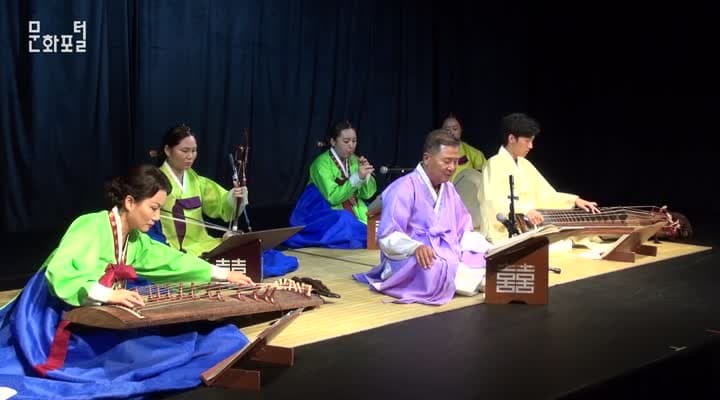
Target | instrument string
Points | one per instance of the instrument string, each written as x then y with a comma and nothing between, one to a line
625,215
168,215
158,296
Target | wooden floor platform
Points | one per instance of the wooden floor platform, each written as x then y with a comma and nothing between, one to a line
360,309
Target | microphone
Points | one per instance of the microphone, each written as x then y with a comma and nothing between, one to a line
384,170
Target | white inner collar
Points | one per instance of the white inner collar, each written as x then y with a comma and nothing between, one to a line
174,177
343,165
437,196
122,244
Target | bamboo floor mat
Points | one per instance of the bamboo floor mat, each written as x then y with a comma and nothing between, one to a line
360,309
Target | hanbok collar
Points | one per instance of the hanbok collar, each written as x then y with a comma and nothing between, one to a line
344,167
181,184
118,239
506,154
437,196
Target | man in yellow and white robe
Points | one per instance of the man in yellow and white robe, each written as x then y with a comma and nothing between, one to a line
532,190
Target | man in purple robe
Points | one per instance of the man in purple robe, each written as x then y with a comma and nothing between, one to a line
428,249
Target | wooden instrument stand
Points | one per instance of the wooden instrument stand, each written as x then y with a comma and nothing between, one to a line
628,245
373,222
517,270
519,275
228,373
243,252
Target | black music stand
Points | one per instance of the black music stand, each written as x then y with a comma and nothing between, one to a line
243,252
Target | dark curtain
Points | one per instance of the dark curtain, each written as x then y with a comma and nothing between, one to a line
67,118
627,98
285,70
481,67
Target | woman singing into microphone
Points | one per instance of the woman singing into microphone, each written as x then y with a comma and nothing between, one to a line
332,207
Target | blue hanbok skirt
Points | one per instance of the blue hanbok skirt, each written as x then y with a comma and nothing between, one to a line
275,263
324,226
101,363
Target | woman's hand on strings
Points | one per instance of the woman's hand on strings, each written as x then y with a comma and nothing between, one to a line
589,206
239,278
364,167
425,256
126,298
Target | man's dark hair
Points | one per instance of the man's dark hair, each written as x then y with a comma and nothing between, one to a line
518,125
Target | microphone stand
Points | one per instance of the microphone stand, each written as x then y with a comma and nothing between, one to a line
512,223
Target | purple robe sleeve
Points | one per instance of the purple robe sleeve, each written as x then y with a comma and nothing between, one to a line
398,203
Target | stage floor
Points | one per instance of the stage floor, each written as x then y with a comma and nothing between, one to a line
605,321
593,340
360,309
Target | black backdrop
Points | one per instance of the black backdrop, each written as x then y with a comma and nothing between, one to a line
626,96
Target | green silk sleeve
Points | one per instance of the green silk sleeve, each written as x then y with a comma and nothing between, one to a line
475,156
87,248
162,264
367,187
80,259
214,199
323,173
